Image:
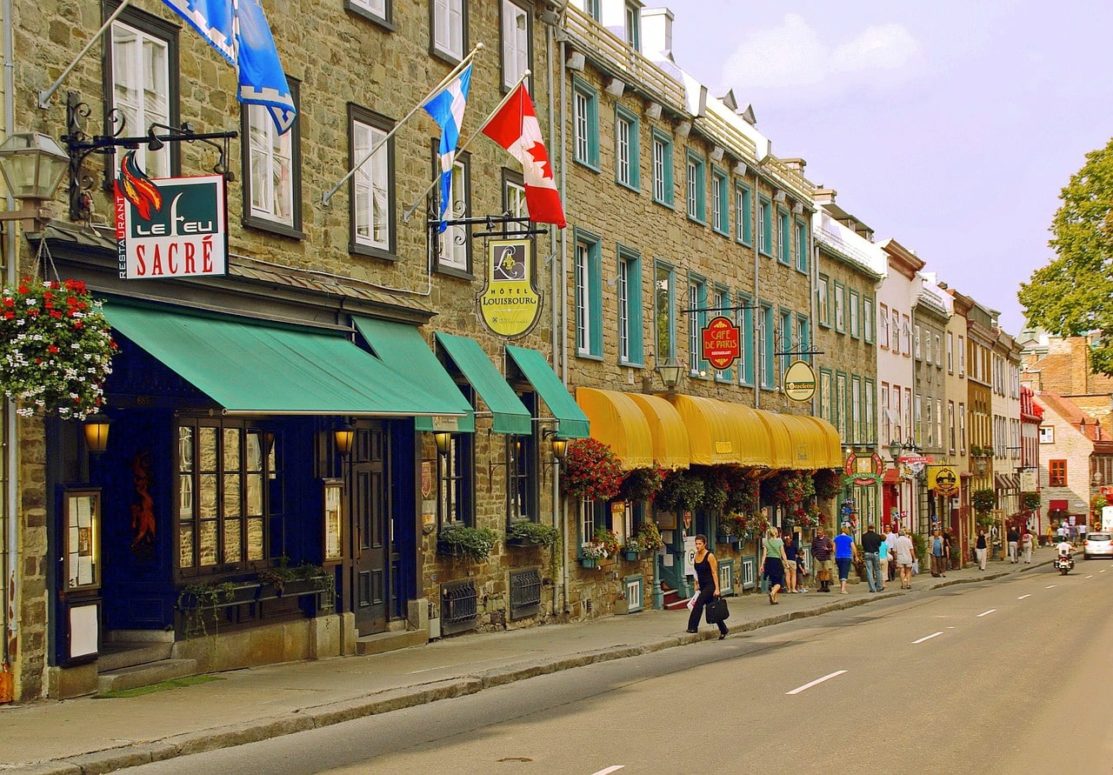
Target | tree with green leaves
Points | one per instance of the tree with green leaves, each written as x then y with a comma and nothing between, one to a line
1074,293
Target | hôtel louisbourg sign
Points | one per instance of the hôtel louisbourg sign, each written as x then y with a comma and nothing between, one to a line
169,227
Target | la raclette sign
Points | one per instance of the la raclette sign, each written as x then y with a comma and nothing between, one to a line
169,227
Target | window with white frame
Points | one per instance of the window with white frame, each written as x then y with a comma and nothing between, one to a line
855,328
744,215
867,319
697,203
950,353
622,288
883,322
662,170
273,182
856,409
453,245
449,21
720,207
961,357
939,422
515,42
141,88
629,288
962,428
951,427
589,339
916,343
870,417
378,10
765,227
626,160
840,308
823,301
372,185
840,402
514,196
906,334
1047,434
886,424
633,27
585,125
697,300
894,337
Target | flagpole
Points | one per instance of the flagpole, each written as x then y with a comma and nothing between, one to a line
510,93
44,96
327,196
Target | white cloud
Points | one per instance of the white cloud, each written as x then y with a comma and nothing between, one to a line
794,56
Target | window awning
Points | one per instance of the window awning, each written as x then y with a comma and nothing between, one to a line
666,427
250,368
832,444
782,456
711,432
809,448
403,349
754,447
618,422
508,413
572,423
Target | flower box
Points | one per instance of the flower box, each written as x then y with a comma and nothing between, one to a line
632,556
588,562
731,539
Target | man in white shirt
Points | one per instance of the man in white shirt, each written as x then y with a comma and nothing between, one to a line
1064,548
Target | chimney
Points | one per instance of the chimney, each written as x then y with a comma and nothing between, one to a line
1079,364
824,196
657,32
795,164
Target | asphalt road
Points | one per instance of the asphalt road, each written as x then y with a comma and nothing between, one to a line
997,677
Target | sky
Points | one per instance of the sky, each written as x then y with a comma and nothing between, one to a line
950,125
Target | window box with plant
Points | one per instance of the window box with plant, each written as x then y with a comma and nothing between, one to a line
984,502
473,544
591,471
525,533
602,545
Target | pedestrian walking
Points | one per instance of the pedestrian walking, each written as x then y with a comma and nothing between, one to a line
891,539
884,561
938,554
846,552
773,563
871,549
790,563
1026,544
1012,535
707,582
1082,529
823,551
947,550
981,547
905,554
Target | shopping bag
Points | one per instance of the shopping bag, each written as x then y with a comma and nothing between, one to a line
692,601
915,567
717,611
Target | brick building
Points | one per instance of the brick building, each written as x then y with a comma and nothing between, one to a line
1074,452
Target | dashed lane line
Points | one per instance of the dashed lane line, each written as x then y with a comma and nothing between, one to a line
1050,586
816,682
609,770
927,637
986,613
1023,596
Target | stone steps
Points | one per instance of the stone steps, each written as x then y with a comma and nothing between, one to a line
118,655
383,642
144,675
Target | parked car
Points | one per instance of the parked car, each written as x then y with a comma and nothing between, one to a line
1097,545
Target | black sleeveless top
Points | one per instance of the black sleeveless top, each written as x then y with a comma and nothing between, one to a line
703,573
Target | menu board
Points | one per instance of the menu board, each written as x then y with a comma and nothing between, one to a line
333,520
82,537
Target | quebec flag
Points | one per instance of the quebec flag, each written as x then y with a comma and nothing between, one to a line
447,109
238,30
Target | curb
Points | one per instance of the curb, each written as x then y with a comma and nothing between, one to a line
111,759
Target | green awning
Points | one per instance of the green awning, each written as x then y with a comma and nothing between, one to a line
250,368
403,349
572,423
510,416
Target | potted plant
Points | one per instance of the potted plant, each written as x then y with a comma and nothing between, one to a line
603,544
641,484
680,492
649,537
526,533
590,554
1031,501
731,527
827,483
632,549
55,348
591,471
471,543
983,502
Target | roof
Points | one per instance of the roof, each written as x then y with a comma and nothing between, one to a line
1071,414
845,244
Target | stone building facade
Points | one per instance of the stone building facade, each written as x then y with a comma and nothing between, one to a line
929,323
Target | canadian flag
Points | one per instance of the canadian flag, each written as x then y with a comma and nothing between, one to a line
515,128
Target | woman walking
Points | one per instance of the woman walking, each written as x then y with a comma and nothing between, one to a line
773,563
707,582
883,557
906,555
980,548
790,564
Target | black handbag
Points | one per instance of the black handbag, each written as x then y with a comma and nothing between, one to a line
716,610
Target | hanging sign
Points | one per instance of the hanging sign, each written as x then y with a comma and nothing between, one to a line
509,304
169,227
944,480
721,343
1029,481
863,470
799,381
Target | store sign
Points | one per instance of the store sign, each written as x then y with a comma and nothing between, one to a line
721,343
169,227
1029,481
510,305
944,480
863,470
799,381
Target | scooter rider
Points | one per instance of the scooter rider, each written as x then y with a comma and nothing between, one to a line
1064,548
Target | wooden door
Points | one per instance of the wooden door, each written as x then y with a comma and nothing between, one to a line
369,524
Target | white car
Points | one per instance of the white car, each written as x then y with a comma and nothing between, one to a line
1097,545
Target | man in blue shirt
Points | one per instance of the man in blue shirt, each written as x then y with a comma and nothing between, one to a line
845,553
937,554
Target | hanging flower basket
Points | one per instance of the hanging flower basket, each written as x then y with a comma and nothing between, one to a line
591,471
55,348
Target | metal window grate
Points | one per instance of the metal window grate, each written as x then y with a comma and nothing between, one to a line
525,593
458,606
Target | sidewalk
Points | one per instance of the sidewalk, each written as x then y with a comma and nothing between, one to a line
88,735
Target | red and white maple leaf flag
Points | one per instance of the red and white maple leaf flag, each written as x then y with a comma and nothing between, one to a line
515,128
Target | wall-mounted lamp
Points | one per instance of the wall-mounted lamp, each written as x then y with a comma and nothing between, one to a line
895,449
653,110
32,165
779,196
575,61
683,129
614,87
798,209
740,169
96,433
670,372
559,446
444,442
717,153
344,436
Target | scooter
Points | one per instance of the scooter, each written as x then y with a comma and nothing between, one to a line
1064,563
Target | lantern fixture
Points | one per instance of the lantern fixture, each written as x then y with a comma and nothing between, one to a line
344,436
96,433
670,372
444,442
559,446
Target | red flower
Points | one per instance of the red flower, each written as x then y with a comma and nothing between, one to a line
55,313
9,315
23,289
78,324
9,302
33,312
52,348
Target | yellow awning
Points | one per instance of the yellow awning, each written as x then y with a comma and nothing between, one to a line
809,448
666,427
711,432
782,453
618,422
753,446
832,444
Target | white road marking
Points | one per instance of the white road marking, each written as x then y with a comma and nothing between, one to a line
816,682
1023,596
1090,576
1050,586
609,770
986,613
426,669
927,637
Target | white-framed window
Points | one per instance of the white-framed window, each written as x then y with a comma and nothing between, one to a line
961,357
372,189
514,197
823,301
697,294
894,338
1047,434
448,27
950,353
633,27
857,431
886,423
916,343
583,298
141,89
515,42
697,201
662,170
962,428
883,322
272,168
627,155
855,330
453,242
379,9
623,291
